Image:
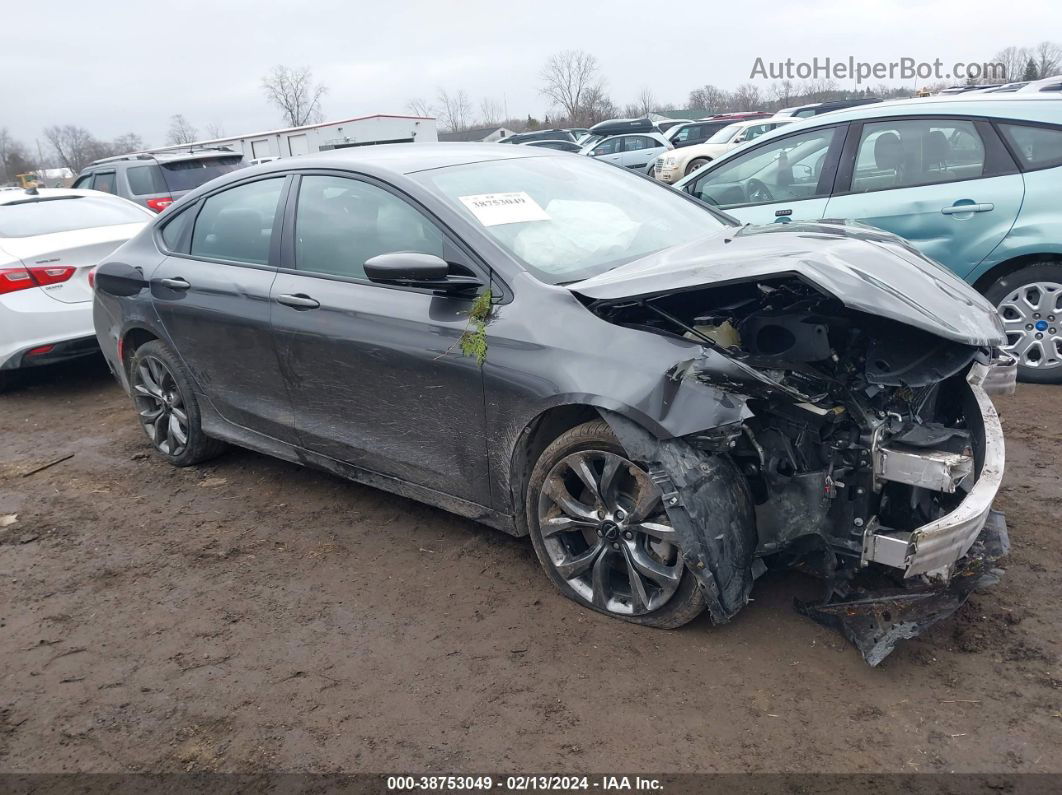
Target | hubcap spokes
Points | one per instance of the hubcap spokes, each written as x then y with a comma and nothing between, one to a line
606,533
1032,319
160,405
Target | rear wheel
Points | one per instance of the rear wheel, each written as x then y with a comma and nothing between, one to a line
601,533
1030,303
167,408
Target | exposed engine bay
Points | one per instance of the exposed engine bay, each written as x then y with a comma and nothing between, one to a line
862,431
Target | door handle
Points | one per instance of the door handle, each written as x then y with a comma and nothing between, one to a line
959,209
175,284
298,301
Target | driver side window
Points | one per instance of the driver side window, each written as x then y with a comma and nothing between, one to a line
787,169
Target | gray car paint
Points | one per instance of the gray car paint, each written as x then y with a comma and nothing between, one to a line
574,359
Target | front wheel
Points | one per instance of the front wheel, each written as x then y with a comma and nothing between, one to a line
167,407
1029,302
600,531
696,164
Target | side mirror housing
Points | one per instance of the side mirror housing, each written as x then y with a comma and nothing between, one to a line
410,269
119,279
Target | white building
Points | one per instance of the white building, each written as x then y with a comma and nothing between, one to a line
361,131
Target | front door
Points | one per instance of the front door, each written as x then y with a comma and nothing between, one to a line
787,179
946,185
212,296
377,376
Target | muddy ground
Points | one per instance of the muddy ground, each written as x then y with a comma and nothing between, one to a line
251,615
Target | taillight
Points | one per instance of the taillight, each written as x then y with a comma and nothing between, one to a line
92,278
15,279
51,274
158,205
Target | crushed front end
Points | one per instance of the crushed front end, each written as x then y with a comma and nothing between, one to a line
871,449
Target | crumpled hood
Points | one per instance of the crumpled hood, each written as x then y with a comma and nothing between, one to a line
865,268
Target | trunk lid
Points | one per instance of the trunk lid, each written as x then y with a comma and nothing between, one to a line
81,249
864,268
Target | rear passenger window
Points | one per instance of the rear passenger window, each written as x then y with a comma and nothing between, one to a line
1036,147
104,181
342,222
902,154
145,179
173,231
237,224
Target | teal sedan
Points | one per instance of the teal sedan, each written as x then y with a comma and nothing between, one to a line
972,181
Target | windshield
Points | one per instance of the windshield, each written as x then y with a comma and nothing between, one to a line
567,218
725,134
64,214
183,175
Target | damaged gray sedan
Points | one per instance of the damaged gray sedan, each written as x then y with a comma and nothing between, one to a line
666,402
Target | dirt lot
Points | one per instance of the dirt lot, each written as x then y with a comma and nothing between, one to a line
251,615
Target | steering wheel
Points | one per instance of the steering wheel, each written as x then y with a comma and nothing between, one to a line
757,191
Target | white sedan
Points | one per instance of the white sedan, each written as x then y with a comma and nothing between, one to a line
49,241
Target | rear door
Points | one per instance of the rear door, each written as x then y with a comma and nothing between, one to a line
948,185
377,379
782,180
212,296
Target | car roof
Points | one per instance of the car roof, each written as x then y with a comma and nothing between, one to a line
400,159
8,196
135,158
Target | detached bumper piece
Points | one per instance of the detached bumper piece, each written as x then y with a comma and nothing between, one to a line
876,622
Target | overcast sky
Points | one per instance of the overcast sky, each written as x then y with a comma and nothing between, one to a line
115,66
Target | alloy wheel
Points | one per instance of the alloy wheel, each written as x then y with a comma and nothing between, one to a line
1032,320
604,528
160,405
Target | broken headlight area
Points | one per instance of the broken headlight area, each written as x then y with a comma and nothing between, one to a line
872,453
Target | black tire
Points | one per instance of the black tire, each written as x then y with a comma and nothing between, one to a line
1046,272
696,164
685,604
7,380
198,447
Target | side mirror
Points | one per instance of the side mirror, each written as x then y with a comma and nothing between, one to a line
119,279
410,269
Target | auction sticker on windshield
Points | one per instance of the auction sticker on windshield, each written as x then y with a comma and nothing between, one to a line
495,209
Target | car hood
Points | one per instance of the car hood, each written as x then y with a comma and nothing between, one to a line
864,268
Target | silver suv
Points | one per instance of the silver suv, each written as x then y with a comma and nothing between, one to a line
158,180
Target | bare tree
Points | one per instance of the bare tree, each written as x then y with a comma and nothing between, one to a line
181,130
294,92
454,110
418,107
569,77
710,99
1048,58
646,101
74,146
128,143
597,106
746,97
1014,61
14,157
490,112
215,130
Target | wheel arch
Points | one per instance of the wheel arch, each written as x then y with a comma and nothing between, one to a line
1012,265
547,425
131,339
